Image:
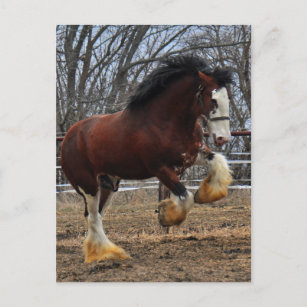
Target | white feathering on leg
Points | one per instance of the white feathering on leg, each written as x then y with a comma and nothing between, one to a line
186,203
97,246
219,171
174,211
215,186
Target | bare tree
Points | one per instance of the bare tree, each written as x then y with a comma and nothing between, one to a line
99,66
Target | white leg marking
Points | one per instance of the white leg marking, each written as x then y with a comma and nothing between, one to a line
215,185
97,246
217,167
96,232
219,170
186,203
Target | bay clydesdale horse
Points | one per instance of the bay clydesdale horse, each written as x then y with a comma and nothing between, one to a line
157,135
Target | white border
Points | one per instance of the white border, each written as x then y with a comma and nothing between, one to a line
27,129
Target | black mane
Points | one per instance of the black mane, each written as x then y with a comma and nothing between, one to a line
170,70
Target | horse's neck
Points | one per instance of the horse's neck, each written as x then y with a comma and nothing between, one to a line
176,105
171,111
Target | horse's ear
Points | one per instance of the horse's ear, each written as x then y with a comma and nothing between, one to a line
206,79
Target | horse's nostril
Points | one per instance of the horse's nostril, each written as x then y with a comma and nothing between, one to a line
221,140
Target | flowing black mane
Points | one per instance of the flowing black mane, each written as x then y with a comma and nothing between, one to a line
171,70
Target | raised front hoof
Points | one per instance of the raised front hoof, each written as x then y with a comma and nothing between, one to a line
170,213
208,192
97,252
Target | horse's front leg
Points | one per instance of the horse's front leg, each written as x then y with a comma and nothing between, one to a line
174,211
215,185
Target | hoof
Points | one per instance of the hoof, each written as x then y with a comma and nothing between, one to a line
170,213
97,252
209,192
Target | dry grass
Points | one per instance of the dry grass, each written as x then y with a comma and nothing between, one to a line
213,244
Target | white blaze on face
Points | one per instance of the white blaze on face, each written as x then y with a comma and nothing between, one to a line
219,129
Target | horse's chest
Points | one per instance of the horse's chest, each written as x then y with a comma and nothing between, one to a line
187,157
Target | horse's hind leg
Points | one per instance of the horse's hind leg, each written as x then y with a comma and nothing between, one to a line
97,246
108,185
108,182
104,201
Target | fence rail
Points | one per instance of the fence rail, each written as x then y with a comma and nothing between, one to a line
153,183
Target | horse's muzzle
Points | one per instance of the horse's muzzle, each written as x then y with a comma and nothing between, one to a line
220,140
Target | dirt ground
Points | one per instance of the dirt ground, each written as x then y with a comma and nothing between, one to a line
212,245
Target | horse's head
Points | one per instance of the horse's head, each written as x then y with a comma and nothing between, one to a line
213,104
